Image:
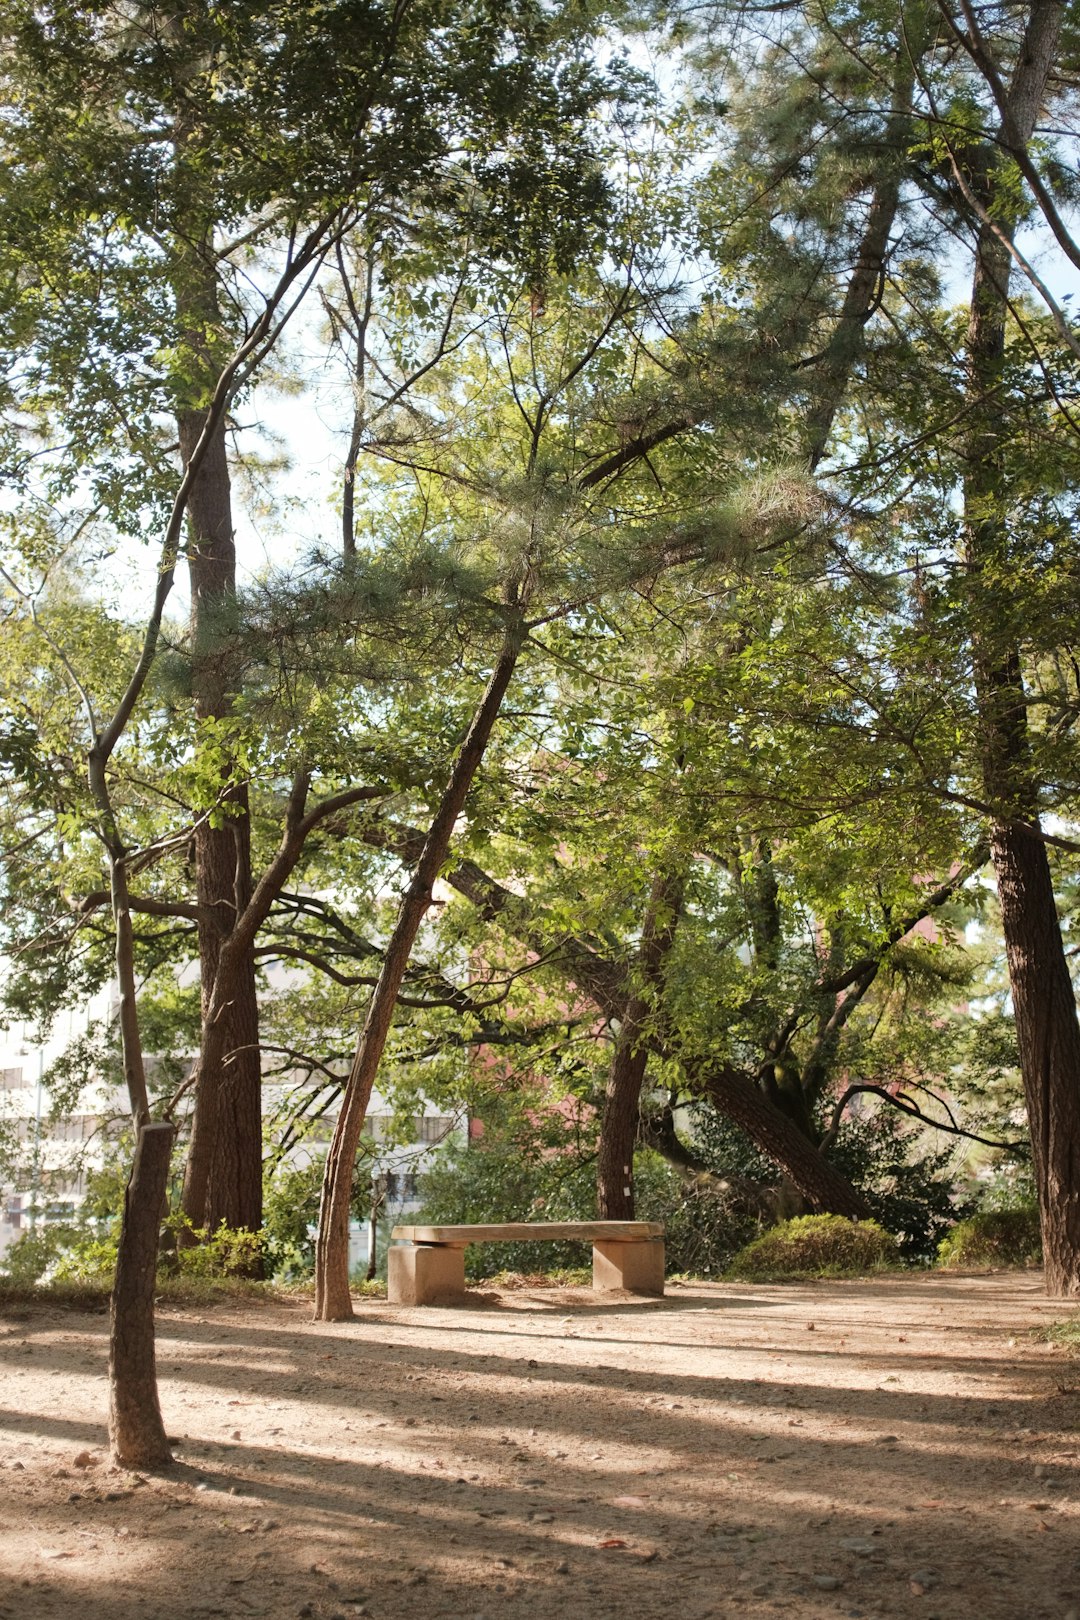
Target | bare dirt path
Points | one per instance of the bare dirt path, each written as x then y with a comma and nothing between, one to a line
901,1447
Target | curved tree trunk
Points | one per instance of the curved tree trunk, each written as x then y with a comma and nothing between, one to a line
137,1436
333,1302
863,292
825,1190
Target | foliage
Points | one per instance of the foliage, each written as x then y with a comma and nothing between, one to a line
994,1237
704,1226
503,1177
33,1255
738,670
908,1179
290,1216
225,1253
1065,1333
87,1260
816,1246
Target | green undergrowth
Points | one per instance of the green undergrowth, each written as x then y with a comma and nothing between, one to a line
93,1294
994,1237
816,1246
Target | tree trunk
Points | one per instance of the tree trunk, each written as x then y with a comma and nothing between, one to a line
332,1299
1048,1035
825,1190
223,1180
622,1097
136,1433
863,292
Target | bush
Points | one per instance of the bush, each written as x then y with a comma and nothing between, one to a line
32,1256
704,1227
994,1237
290,1215
909,1188
90,1260
499,1179
228,1252
816,1246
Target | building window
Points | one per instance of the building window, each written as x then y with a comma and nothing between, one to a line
11,1079
433,1127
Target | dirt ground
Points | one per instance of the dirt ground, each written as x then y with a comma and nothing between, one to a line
902,1447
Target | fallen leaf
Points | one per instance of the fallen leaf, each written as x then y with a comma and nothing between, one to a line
612,1541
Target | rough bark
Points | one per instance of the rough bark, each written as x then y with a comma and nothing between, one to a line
238,944
223,1180
332,1299
622,1096
825,1190
136,1432
1048,1034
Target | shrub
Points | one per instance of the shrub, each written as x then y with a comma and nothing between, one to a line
228,1252
994,1237
909,1188
290,1215
32,1256
816,1246
704,1226
90,1260
494,1180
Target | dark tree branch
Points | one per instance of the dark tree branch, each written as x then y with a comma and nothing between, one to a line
906,1106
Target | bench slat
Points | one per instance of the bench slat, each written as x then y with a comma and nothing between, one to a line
540,1231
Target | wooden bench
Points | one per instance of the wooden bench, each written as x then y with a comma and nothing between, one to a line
426,1264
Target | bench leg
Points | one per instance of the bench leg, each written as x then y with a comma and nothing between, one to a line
425,1274
636,1267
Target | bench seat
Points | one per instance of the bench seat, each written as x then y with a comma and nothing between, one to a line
426,1264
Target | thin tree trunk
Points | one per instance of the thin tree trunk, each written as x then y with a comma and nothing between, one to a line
137,1436
622,1097
863,292
359,319
136,1433
1044,1005
332,1299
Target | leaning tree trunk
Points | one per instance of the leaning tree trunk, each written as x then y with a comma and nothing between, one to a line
333,1302
622,1098
137,1436
223,1180
825,1189
1047,1031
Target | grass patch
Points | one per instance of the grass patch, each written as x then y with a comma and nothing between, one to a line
1065,1333
816,1246
367,1288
